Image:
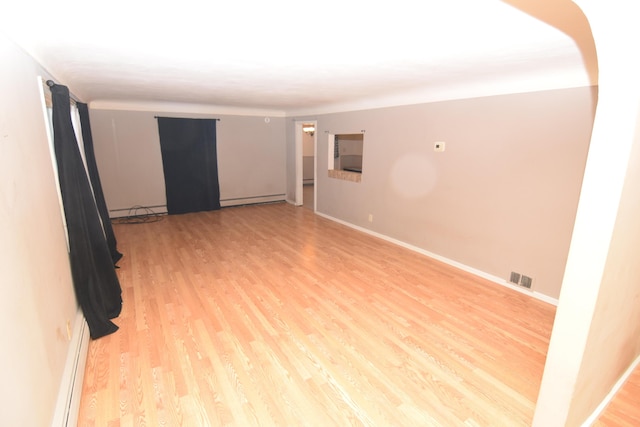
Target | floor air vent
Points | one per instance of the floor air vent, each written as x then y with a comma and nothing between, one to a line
515,278
526,282
520,279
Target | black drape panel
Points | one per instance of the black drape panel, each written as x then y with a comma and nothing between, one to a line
94,277
94,176
190,164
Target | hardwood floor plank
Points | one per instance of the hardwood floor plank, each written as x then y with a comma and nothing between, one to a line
624,409
271,315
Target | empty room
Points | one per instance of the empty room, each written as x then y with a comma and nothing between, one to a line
324,214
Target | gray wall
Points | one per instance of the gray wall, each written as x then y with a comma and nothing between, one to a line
502,197
251,158
37,291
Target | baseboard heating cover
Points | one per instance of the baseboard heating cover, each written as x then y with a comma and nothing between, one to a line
70,392
138,210
252,200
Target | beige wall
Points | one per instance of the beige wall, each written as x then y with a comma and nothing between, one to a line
501,198
37,291
127,149
251,158
616,321
596,334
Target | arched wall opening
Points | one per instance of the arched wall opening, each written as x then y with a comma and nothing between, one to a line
595,343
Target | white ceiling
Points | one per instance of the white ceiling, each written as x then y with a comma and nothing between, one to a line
292,56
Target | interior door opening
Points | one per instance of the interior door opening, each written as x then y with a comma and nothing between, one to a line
306,177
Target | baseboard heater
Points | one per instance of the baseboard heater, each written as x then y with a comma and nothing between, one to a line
252,200
70,391
137,210
162,209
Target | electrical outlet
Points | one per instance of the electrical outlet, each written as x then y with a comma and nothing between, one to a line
438,146
370,217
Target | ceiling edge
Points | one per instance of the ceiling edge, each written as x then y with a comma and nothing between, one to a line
500,85
179,107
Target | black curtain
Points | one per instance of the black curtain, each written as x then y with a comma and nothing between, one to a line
94,277
94,177
190,164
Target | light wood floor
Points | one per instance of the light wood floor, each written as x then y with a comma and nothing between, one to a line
271,315
624,409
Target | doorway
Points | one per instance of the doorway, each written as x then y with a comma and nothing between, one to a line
306,176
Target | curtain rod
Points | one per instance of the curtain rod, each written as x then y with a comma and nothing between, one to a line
162,117
51,83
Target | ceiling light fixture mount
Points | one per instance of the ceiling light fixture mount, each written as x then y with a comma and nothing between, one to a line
310,129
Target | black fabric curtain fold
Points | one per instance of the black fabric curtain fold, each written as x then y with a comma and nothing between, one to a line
190,164
94,177
95,281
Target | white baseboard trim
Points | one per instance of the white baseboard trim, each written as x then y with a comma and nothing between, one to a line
609,397
70,392
451,262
